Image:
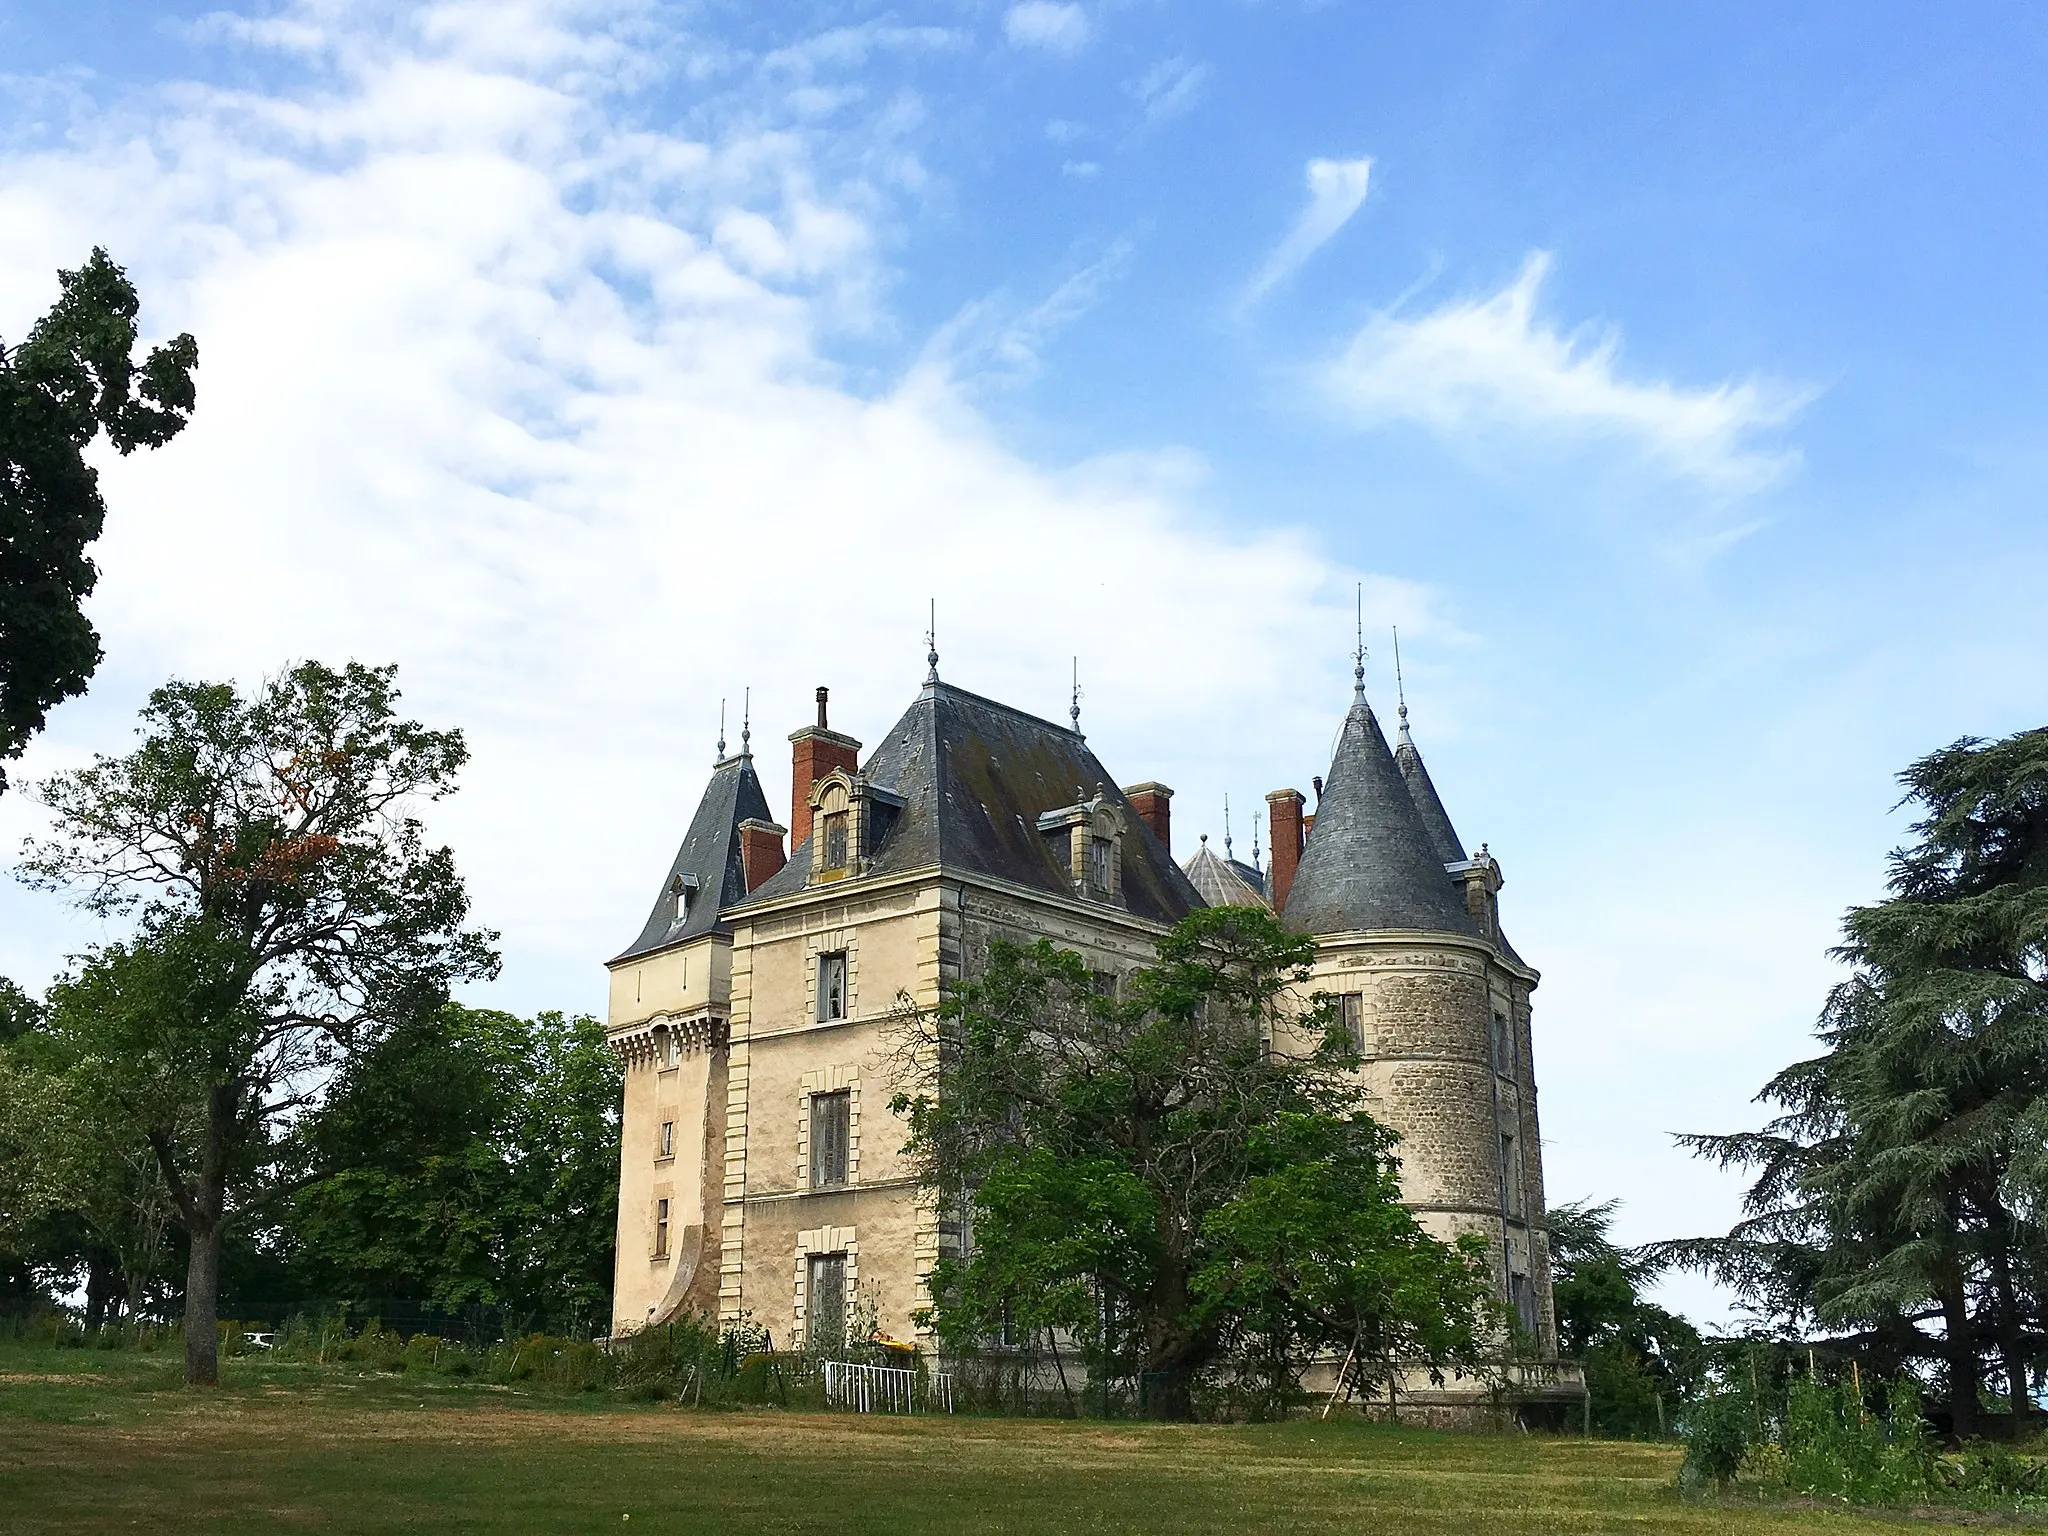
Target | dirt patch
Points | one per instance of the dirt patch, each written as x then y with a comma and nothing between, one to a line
32,1379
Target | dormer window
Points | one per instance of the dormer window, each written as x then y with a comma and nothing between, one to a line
682,890
852,819
1085,841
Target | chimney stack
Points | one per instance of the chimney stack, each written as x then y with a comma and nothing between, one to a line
760,851
818,750
1283,816
1154,805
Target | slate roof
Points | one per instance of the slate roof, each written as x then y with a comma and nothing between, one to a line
1371,861
710,852
974,776
1224,882
1442,834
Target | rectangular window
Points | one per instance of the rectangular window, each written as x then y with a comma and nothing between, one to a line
1510,1177
667,1140
1351,1005
835,840
1098,863
831,1129
661,1229
831,987
1103,983
1523,1297
825,1320
1503,1045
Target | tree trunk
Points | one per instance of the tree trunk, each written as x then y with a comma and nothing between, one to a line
1960,1347
202,1309
2012,1353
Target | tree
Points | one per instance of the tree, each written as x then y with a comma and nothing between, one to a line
467,1159
1900,1195
289,914
1174,1174
1640,1359
73,379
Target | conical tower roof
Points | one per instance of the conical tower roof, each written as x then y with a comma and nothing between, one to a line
1224,882
1371,861
709,857
1442,835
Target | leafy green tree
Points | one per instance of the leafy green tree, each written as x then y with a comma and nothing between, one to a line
1900,1194
1642,1362
73,379
467,1159
289,913
1175,1178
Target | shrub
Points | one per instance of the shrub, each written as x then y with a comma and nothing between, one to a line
1719,1429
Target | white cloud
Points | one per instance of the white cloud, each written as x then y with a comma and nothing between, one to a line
1493,364
980,345
503,383
1336,190
1169,88
1081,170
1054,27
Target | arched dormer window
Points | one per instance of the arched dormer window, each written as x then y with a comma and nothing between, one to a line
1086,841
851,817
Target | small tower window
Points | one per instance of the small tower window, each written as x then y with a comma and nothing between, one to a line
661,1229
1351,1009
666,1142
1100,851
836,840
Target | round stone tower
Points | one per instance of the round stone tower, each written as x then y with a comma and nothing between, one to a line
1407,925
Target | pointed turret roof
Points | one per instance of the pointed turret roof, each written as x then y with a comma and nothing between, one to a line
1442,835
974,776
1224,882
708,863
1371,861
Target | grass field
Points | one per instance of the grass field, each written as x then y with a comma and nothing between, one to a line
100,1441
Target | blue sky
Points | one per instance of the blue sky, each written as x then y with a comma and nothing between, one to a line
1675,382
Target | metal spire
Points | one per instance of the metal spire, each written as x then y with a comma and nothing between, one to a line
721,731
1226,826
1400,687
931,643
1358,669
746,723
1255,846
1074,709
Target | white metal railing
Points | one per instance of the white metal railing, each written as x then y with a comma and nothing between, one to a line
884,1388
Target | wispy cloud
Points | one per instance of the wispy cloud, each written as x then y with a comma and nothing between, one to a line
1336,190
983,344
1493,364
1048,25
1169,88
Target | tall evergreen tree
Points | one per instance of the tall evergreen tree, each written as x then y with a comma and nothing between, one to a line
1902,1193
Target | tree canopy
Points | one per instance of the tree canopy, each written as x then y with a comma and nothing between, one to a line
1899,1198
1641,1361
289,913
72,380
1176,1176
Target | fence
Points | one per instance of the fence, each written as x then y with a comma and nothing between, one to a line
884,1388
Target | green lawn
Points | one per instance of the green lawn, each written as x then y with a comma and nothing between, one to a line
96,1441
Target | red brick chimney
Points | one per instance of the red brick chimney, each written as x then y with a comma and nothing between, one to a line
818,750
760,850
1283,815
1154,805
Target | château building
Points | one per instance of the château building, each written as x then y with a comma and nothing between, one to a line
762,1173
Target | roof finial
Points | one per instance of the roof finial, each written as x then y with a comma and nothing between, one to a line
931,644
746,723
1358,668
721,731
1074,709
1226,825
1400,687
1255,846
